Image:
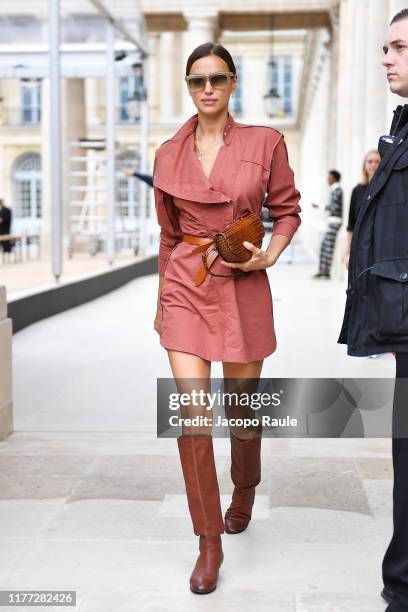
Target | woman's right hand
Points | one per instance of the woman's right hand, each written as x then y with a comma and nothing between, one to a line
158,318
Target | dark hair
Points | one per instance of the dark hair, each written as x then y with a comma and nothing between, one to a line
400,16
210,48
335,174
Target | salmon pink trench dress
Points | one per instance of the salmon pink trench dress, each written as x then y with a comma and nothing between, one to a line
223,319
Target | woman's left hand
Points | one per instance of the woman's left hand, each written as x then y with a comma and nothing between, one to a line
259,260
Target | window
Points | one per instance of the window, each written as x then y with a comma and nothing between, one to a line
31,101
236,100
280,79
127,88
27,186
127,187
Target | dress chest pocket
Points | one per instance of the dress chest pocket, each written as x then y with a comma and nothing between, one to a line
254,174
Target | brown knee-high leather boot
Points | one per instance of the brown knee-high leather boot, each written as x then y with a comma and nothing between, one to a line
203,496
245,474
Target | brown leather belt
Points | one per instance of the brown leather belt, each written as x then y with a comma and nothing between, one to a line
203,244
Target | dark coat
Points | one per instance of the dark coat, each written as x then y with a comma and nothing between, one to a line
357,199
376,312
5,216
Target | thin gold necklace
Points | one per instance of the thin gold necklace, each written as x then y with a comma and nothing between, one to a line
200,152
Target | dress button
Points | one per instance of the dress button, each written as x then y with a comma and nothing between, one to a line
403,275
369,197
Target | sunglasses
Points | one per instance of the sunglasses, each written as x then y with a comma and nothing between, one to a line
218,80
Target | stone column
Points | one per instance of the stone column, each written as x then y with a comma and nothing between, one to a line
166,75
201,28
153,83
255,69
74,128
45,170
396,6
332,45
6,398
92,102
359,87
345,93
376,101
314,142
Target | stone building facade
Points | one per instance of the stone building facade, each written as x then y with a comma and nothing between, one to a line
323,57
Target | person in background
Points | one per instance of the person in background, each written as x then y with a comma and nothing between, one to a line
335,211
5,224
147,178
370,164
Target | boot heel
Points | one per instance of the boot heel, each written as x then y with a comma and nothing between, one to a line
204,578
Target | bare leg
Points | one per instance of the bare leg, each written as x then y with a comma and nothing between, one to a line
243,370
192,373
187,365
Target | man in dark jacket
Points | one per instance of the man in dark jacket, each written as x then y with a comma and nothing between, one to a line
376,313
5,224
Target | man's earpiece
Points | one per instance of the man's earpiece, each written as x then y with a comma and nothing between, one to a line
399,120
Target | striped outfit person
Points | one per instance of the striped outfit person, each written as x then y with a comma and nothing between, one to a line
335,210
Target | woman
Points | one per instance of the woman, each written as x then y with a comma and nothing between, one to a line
212,171
370,164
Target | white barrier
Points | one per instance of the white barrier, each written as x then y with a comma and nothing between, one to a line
6,396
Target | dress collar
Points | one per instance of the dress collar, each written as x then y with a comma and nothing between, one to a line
177,170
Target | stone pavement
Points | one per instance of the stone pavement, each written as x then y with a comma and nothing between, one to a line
90,500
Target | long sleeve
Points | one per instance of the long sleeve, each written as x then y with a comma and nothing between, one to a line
5,216
168,219
357,198
283,198
336,202
352,210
